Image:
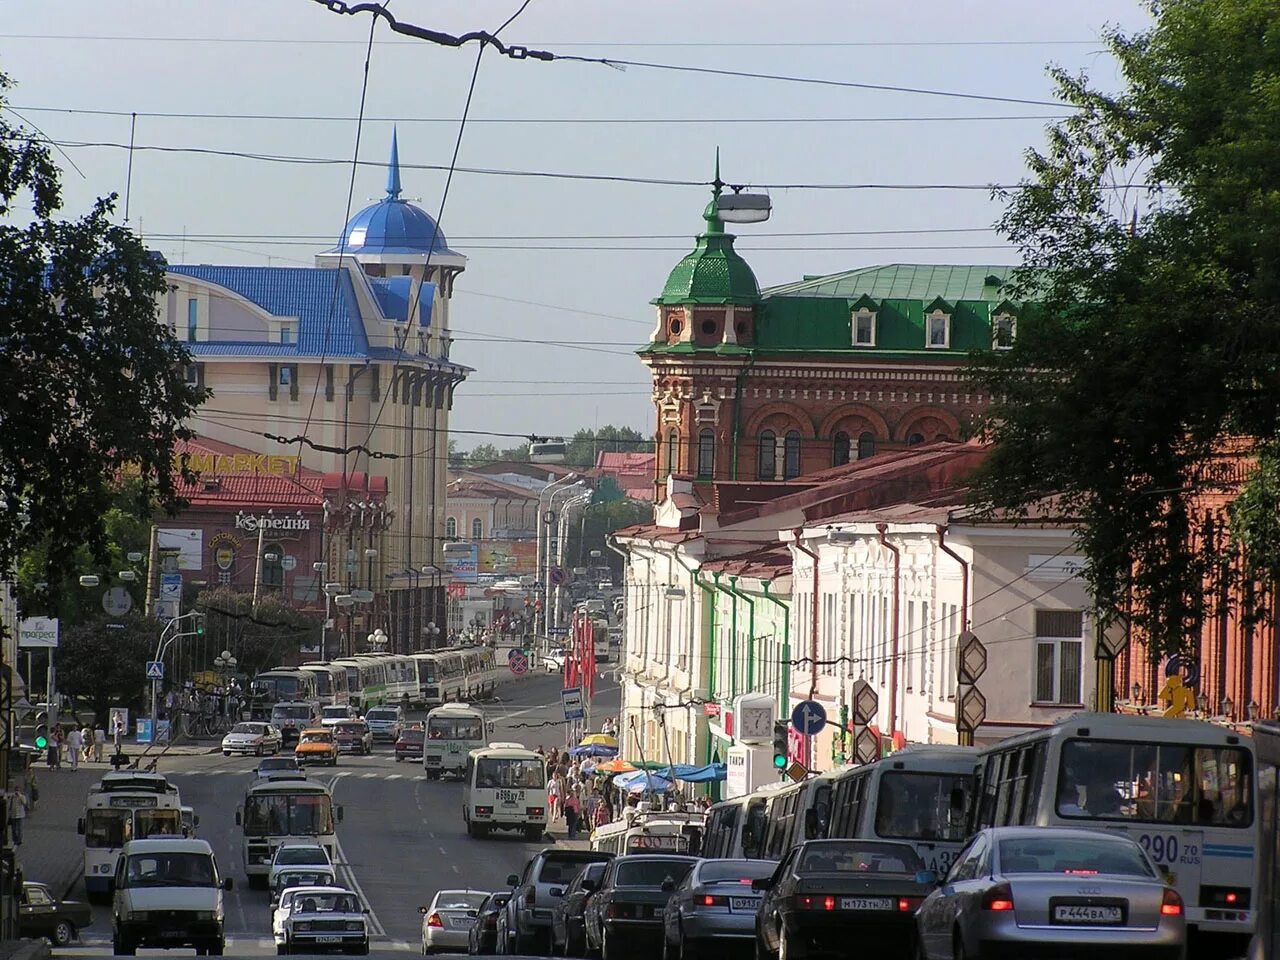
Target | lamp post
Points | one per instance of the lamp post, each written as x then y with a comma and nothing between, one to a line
377,640
1202,703
346,601
1137,692
1252,710
1228,707
433,634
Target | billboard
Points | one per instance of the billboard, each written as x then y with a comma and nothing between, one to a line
508,558
461,560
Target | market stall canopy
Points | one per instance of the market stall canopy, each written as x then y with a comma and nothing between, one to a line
616,765
599,739
593,750
641,781
691,774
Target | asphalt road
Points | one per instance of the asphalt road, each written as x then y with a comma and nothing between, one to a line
401,838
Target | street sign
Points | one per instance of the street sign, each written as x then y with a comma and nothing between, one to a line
118,721
973,657
168,609
866,747
1112,641
171,586
518,663
797,771
557,631
809,718
556,576
513,653
971,710
571,699
38,632
865,703
155,669
288,562
144,730
116,602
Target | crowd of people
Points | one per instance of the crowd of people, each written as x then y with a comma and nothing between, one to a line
74,744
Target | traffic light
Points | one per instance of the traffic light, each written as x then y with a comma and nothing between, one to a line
42,730
781,743
198,621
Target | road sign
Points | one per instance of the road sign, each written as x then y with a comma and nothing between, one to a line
971,710
116,602
155,669
571,698
865,703
557,631
809,718
170,586
118,721
556,576
288,562
518,662
866,747
973,657
797,771
168,609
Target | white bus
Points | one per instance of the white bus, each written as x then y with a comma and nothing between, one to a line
1185,790
331,683
280,809
656,831
279,685
442,676
124,806
453,730
505,789
919,795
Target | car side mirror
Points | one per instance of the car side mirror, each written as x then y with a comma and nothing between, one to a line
761,884
195,821
557,891
364,910
927,878
668,885
227,883
237,819
513,880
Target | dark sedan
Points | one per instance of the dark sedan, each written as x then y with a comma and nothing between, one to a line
714,902
625,914
483,936
41,914
828,894
409,744
568,933
352,736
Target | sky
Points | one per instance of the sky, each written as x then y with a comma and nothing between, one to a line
555,297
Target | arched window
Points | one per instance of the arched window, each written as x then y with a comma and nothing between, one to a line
451,528
866,445
768,456
791,456
673,452
707,454
840,449
273,565
477,529
914,439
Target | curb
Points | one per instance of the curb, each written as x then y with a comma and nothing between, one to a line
25,950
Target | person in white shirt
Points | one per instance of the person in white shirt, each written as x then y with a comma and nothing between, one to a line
99,743
75,746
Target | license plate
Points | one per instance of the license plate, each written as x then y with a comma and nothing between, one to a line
1082,914
657,911
866,903
328,939
750,904
464,922
173,934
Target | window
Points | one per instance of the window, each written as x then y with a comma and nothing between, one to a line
840,446
707,454
1004,329
194,373
915,439
193,320
864,328
375,382
791,458
286,333
939,327
477,529
768,454
922,806
1059,644
273,382
328,381
866,445
273,565
673,451
451,528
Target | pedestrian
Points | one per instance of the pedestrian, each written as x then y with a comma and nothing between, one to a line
572,810
99,743
75,747
53,757
17,801
553,798
86,737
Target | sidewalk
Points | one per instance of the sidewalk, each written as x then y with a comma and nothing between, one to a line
52,850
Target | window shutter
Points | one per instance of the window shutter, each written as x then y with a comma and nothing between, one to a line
293,381
328,381
375,382
273,382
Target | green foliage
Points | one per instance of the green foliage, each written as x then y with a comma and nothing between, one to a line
258,637
1156,329
92,378
488,453
600,519
106,667
583,449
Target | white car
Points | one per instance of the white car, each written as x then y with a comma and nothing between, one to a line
322,918
252,737
446,923
333,715
553,662
297,856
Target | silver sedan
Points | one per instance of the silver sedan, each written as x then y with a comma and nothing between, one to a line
447,920
1028,892
714,901
251,737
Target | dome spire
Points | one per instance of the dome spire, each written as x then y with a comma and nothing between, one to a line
712,213
393,169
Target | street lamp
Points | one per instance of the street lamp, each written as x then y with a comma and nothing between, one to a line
1202,703
1137,692
1227,707
433,633
378,639
1252,710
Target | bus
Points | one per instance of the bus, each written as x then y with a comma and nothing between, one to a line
124,805
651,831
453,730
481,670
722,835
505,788
278,685
1266,934
1186,790
331,683
919,795
280,809
400,676
366,681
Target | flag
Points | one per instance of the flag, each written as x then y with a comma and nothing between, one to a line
589,660
571,656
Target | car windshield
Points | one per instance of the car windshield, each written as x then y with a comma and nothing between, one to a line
303,878
1079,856
247,728
495,772
455,728
348,729
412,736
380,715
326,903
922,806
284,815
333,713
316,736
635,872
279,763
735,871
301,855
300,712
839,856
170,870
1155,783
560,871
275,688
458,900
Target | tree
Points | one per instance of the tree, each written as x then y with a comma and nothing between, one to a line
260,636
586,445
105,666
93,382
1150,325
600,519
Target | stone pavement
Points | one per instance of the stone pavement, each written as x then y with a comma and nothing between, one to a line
52,850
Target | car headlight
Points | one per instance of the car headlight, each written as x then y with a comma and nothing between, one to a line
137,915
354,925
204,914
302,927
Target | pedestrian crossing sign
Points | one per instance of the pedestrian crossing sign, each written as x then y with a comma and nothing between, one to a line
155,669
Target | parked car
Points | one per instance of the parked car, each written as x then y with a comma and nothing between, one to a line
329,920
252,736
483,935
626,914
714,901
1023,891
41,914
409,745
525,923
568,936
825,892
352,736
316,745
448,919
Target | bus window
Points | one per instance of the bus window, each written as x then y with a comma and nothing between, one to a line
494,772
919,806
105,828
277,815
455,728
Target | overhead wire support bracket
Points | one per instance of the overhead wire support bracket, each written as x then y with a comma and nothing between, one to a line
436,36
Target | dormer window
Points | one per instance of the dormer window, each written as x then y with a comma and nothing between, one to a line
938,330
1004,329
288,333
864,328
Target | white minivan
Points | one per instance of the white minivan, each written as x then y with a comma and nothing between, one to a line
168,893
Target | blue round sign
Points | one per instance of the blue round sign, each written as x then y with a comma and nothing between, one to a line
809,717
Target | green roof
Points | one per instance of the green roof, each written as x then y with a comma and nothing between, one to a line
904,281
714,273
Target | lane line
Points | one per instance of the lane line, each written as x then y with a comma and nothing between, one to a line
375,925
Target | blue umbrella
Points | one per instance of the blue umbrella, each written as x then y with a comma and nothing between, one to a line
593,750
642,780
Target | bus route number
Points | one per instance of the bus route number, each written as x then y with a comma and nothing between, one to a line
1165,849
941,864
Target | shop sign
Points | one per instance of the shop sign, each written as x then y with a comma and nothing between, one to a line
252,524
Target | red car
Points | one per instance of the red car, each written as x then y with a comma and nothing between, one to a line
352,736
410,744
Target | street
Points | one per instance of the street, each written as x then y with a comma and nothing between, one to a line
401,838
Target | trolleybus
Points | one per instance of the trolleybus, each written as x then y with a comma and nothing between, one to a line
124,806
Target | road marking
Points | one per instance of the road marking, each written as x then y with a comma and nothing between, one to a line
444,852
455,868
394,776
375,925
367,776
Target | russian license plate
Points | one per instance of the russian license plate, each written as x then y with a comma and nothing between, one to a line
657,912
173,935
866,903
1084,914
749,904
328,939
